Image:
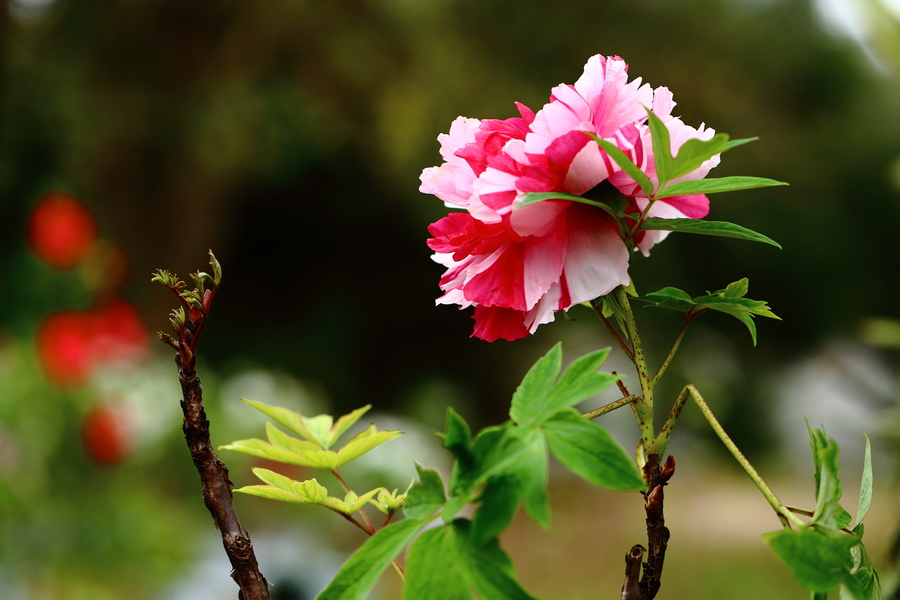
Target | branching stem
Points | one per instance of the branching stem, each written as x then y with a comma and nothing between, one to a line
599,412
643,406
785,515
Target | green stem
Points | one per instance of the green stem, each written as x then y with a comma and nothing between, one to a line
644,406
362,513
784,514
613,332
599,412
689,318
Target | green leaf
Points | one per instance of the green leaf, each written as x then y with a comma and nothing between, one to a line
699,226
538,382
535,197
271,492
715,185
735,143
351,502
579,382
625,164
283,416
345,422
828,517
670,297
436,567
737,289
444,564
863,582
389,502
691,154
313,458
865,488
363,442
728,304
817,561
276,479
499,501
362,570
489,568
538,397
282,440
588,450
426,496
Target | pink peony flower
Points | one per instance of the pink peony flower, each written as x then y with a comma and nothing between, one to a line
518,267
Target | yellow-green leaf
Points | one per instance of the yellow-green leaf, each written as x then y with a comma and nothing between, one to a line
363,442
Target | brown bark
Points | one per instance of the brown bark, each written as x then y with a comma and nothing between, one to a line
656,477
217,488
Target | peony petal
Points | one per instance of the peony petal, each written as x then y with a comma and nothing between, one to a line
537,219
596,257
492,324
502,283
543,263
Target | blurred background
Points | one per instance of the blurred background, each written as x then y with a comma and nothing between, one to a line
288,136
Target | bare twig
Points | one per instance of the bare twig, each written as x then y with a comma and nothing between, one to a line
213,473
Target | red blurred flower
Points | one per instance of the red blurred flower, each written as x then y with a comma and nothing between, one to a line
71,344
60,230
106,435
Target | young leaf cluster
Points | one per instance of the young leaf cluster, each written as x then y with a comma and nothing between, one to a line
313,450
669,169
730,301
826,554
499,469
189,319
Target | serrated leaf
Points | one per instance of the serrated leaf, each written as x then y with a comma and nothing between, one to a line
536,386
865,488
389,502
579,382
346,422
264,449
863,582
817,561
425,496
670,297
588,450
716,185
276,479
271,492
282,440
625,163
351,502
311,491
363,442
699,226
282,416
539,396
736,305
362,570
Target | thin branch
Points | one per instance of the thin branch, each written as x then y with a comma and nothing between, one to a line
608,408
644,406
612,330
784,514
689,318
362,513
214,479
